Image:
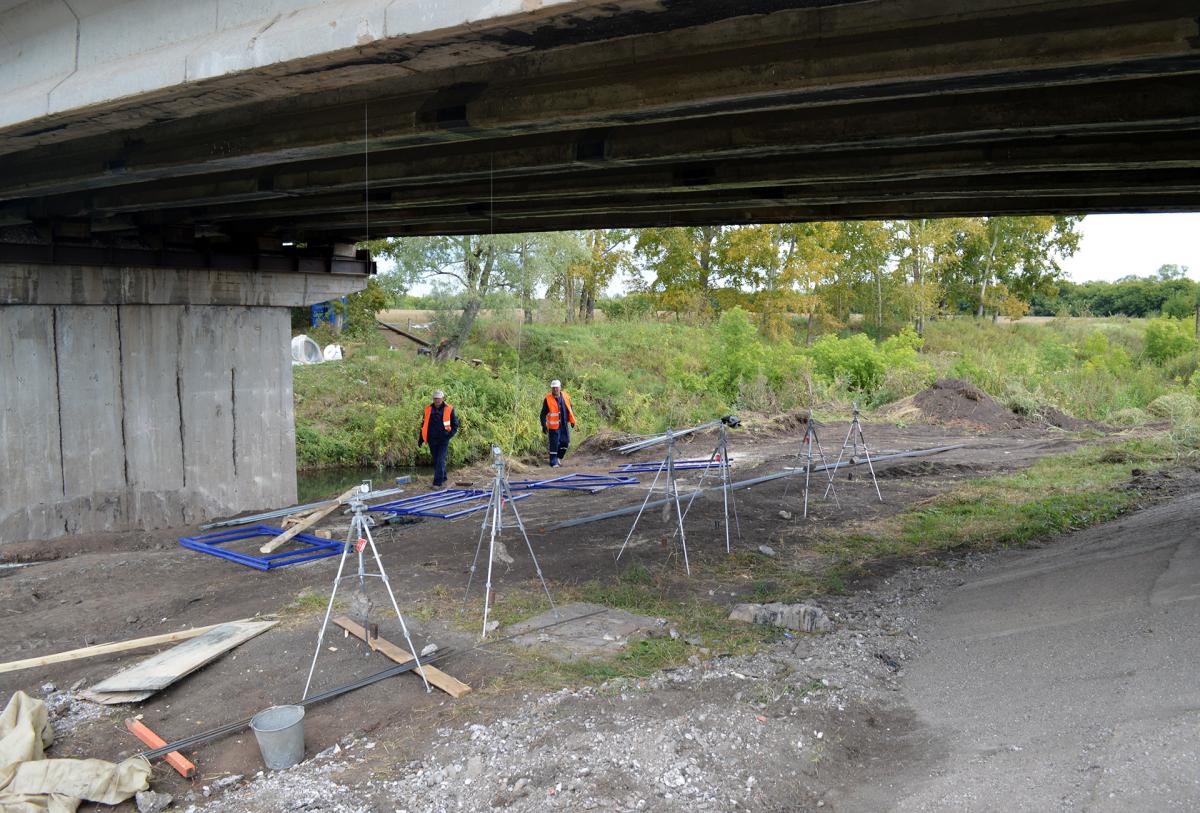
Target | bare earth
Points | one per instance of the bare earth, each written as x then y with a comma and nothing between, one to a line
1058,678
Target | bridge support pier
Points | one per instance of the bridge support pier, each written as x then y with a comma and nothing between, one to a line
144,398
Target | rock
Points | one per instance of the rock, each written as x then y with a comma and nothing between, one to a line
766,550
800,617
475,767
226,781
502,553
429,649
149,801
785,514
492,626
674,633
132,619
77,685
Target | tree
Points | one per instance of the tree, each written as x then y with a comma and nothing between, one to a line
478,263
1022,253
924,248
689,262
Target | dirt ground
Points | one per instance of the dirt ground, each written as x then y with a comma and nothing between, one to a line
92,589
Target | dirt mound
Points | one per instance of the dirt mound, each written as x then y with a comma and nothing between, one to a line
924,468
1062,420
954,402
603,442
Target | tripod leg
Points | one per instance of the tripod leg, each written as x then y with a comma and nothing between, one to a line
807,472
870,465
679,516
494,510
512,505
841,452
328,611
387,585
475,561
831,487
645,502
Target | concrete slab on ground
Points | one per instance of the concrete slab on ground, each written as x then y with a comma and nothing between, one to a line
593,632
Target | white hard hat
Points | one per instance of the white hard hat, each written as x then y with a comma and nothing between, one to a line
439,394
555,383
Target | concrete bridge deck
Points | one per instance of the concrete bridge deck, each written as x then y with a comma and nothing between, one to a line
222,121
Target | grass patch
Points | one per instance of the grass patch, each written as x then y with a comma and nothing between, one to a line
1053,496
308,601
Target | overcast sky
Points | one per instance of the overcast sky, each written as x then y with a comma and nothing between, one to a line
1114,246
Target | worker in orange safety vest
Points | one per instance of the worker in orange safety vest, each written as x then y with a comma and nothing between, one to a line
437,427
557,420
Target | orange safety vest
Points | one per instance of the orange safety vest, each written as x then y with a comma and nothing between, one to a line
553,419
446,408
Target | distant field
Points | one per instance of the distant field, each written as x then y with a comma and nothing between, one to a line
404,317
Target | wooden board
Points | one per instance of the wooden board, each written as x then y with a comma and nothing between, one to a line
108,649
160,671
310,519
436,677
114,698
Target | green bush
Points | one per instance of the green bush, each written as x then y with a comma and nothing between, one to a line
1167,338
741,356
854,360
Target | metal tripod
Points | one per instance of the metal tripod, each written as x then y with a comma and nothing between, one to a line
671,490
720,456
359,537
493,525
808,444
854,436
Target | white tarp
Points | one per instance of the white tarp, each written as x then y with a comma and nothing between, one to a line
30,783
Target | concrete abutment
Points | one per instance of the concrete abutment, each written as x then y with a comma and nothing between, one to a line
145,398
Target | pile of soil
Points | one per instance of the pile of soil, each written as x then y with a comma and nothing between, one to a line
954,402
1062,420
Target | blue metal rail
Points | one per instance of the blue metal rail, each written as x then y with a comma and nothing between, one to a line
435,503
313,547
591,483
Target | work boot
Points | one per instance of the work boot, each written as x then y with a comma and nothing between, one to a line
553,461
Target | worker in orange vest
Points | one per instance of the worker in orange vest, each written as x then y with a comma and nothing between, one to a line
438,426
557,420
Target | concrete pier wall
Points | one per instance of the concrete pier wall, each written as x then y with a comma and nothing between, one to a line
126,415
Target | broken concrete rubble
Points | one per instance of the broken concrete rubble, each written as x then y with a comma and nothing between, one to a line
799,617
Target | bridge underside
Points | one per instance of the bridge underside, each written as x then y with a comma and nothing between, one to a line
640,113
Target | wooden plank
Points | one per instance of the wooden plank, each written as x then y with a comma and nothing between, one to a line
107,649
185,767
160,671
114,698
436,677
310,520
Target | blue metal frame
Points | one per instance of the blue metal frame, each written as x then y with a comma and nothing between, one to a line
580,481
655,465
315,547
431,504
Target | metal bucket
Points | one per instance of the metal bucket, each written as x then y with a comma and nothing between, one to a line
280,734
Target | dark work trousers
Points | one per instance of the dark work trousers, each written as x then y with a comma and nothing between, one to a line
438,451
557,441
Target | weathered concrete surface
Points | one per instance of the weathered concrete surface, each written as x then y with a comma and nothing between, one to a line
34,284
598,636
799,617
141,416
65,56
138,122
